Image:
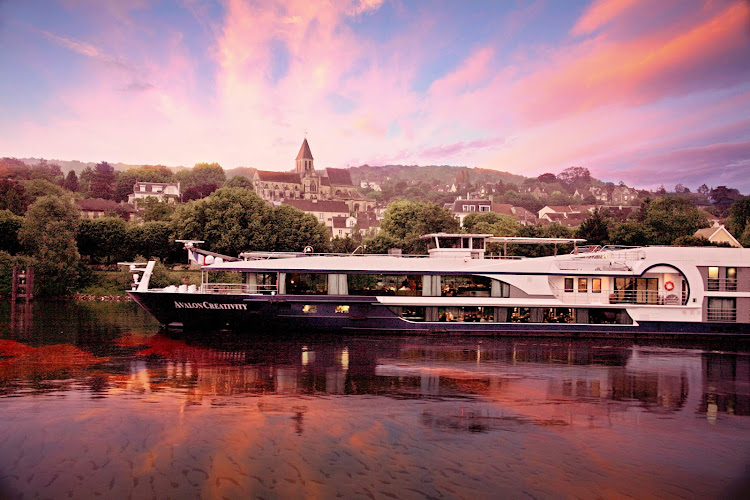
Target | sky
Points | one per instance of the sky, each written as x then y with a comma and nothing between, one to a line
646,92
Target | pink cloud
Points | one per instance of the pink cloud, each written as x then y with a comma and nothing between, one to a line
599,14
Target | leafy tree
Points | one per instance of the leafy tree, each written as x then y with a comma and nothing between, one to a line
697,241
629,233
13,197
380,243
102,240
723,197
198,192
669,217
291,230
343,245
200,175
492,223
704,190
230,221
103,181
153,239
239,181
406,221
37,188
154,210
71,182
739,217
575,177
10,224
595,229
49,234
547,178
84,182
47,171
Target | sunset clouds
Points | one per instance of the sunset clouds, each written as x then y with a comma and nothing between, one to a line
626,88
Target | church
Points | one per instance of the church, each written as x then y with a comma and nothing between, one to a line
305,183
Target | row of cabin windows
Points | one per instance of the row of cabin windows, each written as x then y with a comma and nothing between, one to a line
583,285
514,315
396,284
469,314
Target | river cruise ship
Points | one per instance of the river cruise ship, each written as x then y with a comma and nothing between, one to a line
458,289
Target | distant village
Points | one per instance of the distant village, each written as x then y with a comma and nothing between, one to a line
351,202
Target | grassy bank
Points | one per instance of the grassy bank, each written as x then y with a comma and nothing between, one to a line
115,283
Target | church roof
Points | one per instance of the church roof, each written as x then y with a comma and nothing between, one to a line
339,176
319,205
269,176
304,151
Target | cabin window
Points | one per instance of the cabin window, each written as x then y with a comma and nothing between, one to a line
467,314
713,278
310,309
731,279
722,309
465,286
306,284
569,285
596,285
583,285
342,309
385,284
520,315
558,315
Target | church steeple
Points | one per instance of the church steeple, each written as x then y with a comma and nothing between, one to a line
305,159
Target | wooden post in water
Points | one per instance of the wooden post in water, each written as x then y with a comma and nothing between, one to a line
22,285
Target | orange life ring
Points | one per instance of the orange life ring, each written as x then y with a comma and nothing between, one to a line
668,286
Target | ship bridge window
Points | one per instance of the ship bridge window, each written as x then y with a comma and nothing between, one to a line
306,284
385,284
466,286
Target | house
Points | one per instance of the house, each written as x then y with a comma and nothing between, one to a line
718,234
599,194
567,220
623,195
323,210
461,208
525,217
566,209
95,208
342,227
162,191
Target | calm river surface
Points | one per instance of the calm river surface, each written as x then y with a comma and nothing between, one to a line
96,401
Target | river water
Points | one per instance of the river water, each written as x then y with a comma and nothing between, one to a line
95,400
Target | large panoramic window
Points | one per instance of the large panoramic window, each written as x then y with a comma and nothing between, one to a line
520,315
558,315
306,284
385,284
467,314
636,291
465,286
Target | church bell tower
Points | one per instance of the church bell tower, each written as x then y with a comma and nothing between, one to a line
305,160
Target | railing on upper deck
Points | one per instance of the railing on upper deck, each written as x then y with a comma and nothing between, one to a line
723,284
641,297
238,288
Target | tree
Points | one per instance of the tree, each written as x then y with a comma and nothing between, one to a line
153,240
10,224
703,189
200,175
595,229
547,178
492,223
13,197
71,182
291,230
680,189
669,217
101,240
575,177
198,192
406,221
84,182
37,188
239,181
230,221
49,234
739,217
154,210
47,171
722,197
103,181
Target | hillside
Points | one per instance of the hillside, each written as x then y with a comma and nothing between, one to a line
444,174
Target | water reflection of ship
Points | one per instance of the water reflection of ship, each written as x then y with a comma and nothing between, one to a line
726,384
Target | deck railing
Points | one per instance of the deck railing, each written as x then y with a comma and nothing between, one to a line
724,284
721,314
